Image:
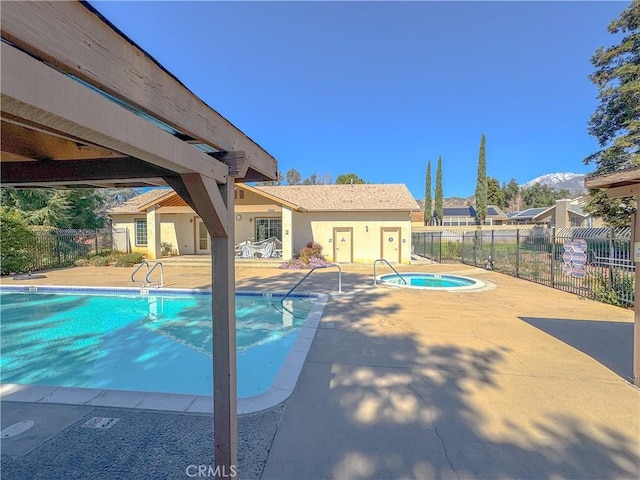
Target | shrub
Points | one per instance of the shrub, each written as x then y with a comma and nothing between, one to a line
615,290
129,259
99,261
310,256
167,249
81,262
15,238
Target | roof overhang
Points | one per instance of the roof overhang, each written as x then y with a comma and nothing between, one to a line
623,183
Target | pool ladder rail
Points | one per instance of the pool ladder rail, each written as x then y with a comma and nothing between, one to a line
147,282
309,273
382,260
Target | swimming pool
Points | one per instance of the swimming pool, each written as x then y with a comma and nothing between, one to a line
431,281
161,341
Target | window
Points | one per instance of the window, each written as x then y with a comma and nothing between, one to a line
141,232
239,194
268,227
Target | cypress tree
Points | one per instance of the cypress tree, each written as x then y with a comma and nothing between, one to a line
481,184
439,199
427,196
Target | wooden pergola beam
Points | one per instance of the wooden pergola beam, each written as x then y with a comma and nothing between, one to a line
39,94
73,38
63,172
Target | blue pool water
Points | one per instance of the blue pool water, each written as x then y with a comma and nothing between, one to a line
156,343
431,281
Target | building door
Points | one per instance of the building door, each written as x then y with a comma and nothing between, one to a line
390,241
343,245
203,239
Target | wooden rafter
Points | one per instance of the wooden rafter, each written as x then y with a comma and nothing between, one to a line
39,94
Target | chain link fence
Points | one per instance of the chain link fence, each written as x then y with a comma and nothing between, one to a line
591,262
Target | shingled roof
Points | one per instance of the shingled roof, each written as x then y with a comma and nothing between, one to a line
133,204
357,197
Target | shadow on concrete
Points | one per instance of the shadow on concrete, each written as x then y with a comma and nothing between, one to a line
610,343
372,405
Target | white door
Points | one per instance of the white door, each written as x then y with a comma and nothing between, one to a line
390,239
343,245
203,239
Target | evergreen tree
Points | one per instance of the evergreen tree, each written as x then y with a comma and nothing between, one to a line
438,194
495,194
481,184
512,195
428,213
616,121
293,177
348,178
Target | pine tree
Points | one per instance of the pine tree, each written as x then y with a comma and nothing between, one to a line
616,121
481,184
439,199
428,213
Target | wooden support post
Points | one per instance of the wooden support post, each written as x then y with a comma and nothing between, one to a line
636,308
224,340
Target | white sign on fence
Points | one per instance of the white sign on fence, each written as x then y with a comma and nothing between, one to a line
575,258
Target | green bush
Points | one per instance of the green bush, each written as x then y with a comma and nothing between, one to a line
15,238
615,289
81,262
167,249
99,261
451,250
102,253
129,259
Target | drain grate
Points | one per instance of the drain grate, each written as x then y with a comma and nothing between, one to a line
100,422
16,428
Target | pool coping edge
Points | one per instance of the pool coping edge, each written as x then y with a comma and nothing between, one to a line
281,388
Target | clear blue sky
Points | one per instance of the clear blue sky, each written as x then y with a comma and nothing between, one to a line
380,88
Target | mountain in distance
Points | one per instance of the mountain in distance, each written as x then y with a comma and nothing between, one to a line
574,182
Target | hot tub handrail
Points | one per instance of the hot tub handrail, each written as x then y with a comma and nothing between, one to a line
149,272
309,273
144,263
375,281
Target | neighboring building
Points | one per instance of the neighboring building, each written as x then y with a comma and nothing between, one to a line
461,216
565,213
354,223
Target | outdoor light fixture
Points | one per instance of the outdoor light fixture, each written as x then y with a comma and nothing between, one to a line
366,228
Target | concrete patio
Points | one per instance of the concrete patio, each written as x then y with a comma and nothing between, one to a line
517,381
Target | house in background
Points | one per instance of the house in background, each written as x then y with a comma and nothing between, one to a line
461,216
565,213
353,223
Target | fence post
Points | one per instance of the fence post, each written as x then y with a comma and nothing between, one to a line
462,248
493,248
611,258
58,250
475,248
517,253
553,256
96,242
439,247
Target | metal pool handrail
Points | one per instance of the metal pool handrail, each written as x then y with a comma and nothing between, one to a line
375,282
161,283
144,263
309,273
146,282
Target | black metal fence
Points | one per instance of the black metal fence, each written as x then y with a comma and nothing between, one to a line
61,248
592,262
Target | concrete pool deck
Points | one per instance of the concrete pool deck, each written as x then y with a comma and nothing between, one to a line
519,381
